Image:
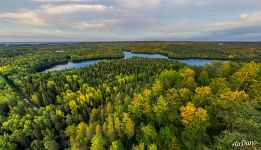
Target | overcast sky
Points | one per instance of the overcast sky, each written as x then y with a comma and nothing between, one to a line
122,20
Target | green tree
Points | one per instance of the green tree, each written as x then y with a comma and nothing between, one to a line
203,78
97,143
128,125
168,78
161,110
116,145
51,145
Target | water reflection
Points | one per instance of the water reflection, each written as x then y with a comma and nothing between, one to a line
80,64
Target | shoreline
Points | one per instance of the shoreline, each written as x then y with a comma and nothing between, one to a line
42,69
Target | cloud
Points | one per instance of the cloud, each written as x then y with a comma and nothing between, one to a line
244,20
134,19
3,32
47,15
85,25
48,1
110,24
138,4
120,23
73,8
255,16
189,3
246,27
26,17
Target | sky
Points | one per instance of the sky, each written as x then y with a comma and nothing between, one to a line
129,20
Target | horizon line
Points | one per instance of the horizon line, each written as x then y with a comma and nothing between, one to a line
44,42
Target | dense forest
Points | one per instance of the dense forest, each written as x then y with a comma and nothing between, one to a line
135,103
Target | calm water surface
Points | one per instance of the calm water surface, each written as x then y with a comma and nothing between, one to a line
71,64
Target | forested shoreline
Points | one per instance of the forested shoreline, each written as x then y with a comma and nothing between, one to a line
137,103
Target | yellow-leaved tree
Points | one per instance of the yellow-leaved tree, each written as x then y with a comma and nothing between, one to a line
196,123
128,124
190,112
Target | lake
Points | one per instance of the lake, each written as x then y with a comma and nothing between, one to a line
80,64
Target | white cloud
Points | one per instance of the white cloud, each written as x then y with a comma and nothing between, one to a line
3,32
140,4
102,24
198,28
255,16
152,19
27,17
86,25
188,3
48,1
244,20
73,8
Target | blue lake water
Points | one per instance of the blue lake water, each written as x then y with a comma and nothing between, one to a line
80,64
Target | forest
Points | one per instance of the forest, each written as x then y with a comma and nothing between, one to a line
136,103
